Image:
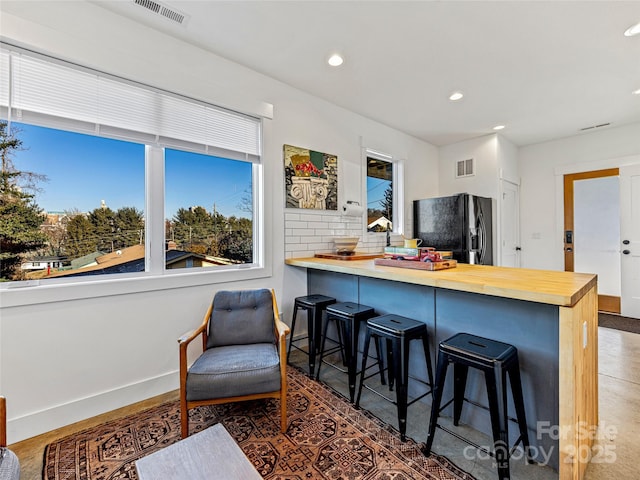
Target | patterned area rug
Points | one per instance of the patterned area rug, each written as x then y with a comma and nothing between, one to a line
327,439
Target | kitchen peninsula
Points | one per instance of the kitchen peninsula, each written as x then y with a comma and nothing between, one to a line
549,316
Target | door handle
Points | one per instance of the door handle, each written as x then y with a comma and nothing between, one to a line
568,249
518,249
626,252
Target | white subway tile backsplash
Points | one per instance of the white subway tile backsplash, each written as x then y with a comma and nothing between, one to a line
309,233
311,239
296,224
311,218
304,231
320,247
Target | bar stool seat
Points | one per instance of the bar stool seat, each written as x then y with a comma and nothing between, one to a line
398,332
347,316
496,360
314,305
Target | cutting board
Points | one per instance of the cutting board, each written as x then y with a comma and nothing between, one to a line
429,266
355,256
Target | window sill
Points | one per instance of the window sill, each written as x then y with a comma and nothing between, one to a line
16,295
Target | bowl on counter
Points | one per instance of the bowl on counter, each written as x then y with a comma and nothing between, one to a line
345,245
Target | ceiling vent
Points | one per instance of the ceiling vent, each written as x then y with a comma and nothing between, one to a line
160,9
464,168
595,126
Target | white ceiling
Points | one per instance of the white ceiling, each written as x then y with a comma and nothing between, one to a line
545,69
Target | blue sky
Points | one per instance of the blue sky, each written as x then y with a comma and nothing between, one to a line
83,170
375,192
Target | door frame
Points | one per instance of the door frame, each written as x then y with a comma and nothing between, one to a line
606,303
499,224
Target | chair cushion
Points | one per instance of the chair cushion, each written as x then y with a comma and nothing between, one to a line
234,370
241,317
9,465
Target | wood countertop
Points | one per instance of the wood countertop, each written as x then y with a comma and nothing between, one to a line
542,286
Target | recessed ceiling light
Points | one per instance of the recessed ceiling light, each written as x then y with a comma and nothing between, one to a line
335,60
456,96
498,127
636,92
633,30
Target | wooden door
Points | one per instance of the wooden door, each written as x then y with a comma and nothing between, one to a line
606,303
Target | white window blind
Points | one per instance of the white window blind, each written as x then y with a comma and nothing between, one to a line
4,81
50,93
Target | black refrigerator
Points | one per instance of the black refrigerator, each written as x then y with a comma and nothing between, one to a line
460,223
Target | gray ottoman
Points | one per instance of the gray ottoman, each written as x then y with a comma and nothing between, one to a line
9,465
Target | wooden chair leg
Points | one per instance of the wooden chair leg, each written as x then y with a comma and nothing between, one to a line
184,419
283,412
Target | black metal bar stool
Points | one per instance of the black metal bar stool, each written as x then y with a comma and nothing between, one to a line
347,316
314,305
496,360
398,332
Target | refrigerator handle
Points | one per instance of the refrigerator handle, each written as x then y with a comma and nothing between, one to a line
482,237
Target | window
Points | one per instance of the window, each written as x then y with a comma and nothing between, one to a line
208,210
90,195
381,197
91,160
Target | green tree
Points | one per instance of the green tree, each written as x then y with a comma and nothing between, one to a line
193,227
237,242
387,202
81,238
104,228
20,216
129,224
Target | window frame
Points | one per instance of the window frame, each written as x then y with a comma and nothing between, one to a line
397,179
155,276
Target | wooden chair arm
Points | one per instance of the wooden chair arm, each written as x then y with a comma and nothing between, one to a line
183,343
188,337
282,329
3,422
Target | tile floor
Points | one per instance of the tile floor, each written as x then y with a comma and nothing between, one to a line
618,447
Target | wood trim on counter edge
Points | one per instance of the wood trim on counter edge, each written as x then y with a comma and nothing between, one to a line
578,398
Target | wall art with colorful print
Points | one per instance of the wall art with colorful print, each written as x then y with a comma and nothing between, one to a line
311,179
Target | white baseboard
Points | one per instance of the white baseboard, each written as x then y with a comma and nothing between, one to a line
57,416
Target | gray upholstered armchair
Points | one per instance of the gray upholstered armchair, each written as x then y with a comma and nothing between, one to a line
9,464
244,355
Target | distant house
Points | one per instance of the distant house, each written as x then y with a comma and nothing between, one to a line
378,225
56,218
48,262
86,260
182,259
131,259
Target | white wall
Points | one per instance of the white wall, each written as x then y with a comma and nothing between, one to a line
542,167
495,158
67,353
507,154
484,151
